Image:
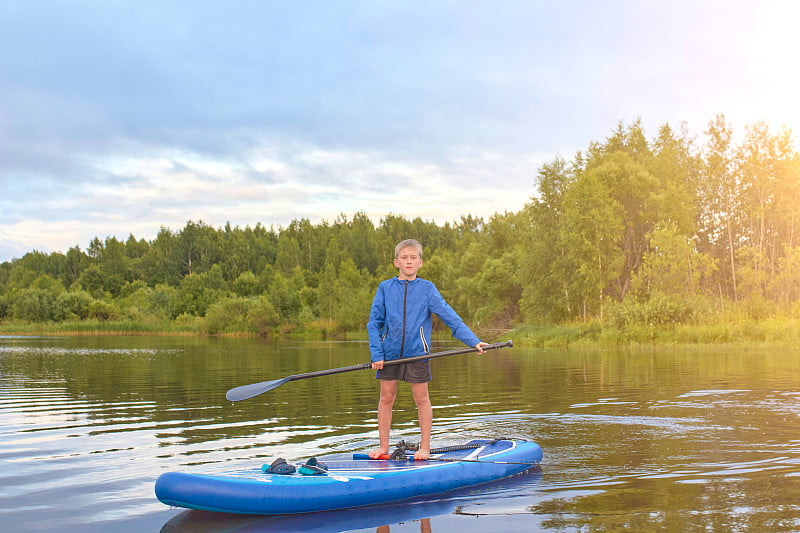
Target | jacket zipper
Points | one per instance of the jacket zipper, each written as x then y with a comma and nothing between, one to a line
403,337
424,342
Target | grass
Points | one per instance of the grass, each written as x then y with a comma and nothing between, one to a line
94,327
735,330
777,331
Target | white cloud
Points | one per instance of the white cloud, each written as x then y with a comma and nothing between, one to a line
144,194
120,119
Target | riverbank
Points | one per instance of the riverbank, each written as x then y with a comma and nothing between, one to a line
779,331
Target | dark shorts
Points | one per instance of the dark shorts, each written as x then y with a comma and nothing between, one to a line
415,372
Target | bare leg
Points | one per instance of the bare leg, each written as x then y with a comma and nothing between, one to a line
385,404
425,414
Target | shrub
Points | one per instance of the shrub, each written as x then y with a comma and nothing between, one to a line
34,305
658,310
226,315
73,305
262,316
103,311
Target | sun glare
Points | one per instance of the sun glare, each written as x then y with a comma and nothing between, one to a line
774,75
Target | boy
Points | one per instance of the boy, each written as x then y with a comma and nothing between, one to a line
400,326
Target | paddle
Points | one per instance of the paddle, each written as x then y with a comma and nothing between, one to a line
248,391
364,457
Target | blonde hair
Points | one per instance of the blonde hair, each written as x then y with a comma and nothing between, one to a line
408,243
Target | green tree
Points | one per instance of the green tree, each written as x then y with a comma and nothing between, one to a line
354,294
785,286
75,263
635,191
247,284
787,202
544,275
767,195
198,292
677,170
720,202
288,255
161,264
284,299
98,283
359,240
672,265
591,235
195,247
311,242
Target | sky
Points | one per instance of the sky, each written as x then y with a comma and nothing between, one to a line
122,117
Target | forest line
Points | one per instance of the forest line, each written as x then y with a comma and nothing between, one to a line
629,235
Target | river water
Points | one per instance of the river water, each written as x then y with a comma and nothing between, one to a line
667,439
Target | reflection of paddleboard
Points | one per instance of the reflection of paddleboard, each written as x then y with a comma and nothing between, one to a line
354,519
348,483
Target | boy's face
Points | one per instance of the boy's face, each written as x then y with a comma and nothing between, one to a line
409,262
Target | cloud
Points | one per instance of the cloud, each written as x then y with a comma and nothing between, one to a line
123,117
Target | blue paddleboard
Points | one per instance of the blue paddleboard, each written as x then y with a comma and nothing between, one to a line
347,483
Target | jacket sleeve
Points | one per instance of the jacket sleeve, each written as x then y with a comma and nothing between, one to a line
376,325
457,326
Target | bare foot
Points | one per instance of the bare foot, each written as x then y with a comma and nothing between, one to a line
422,454
376,454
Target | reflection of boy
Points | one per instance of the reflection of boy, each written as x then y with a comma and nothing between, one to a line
400,326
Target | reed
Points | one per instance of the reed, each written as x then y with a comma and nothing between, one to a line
775,331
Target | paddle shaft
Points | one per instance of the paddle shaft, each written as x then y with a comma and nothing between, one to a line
248,391
401,361
385,457
480,461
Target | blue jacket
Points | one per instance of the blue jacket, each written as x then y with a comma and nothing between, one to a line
400,320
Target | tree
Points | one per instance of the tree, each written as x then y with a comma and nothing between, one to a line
198,292
247,284
672,265
544,275
161,263
768,193
591,235
785,286
98,283
75,262
677,172
787,201
359,240
195,247
289,255
720,202
353,297
284,299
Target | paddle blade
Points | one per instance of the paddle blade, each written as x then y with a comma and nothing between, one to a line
254,389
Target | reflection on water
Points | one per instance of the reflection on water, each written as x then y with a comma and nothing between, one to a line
633,440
